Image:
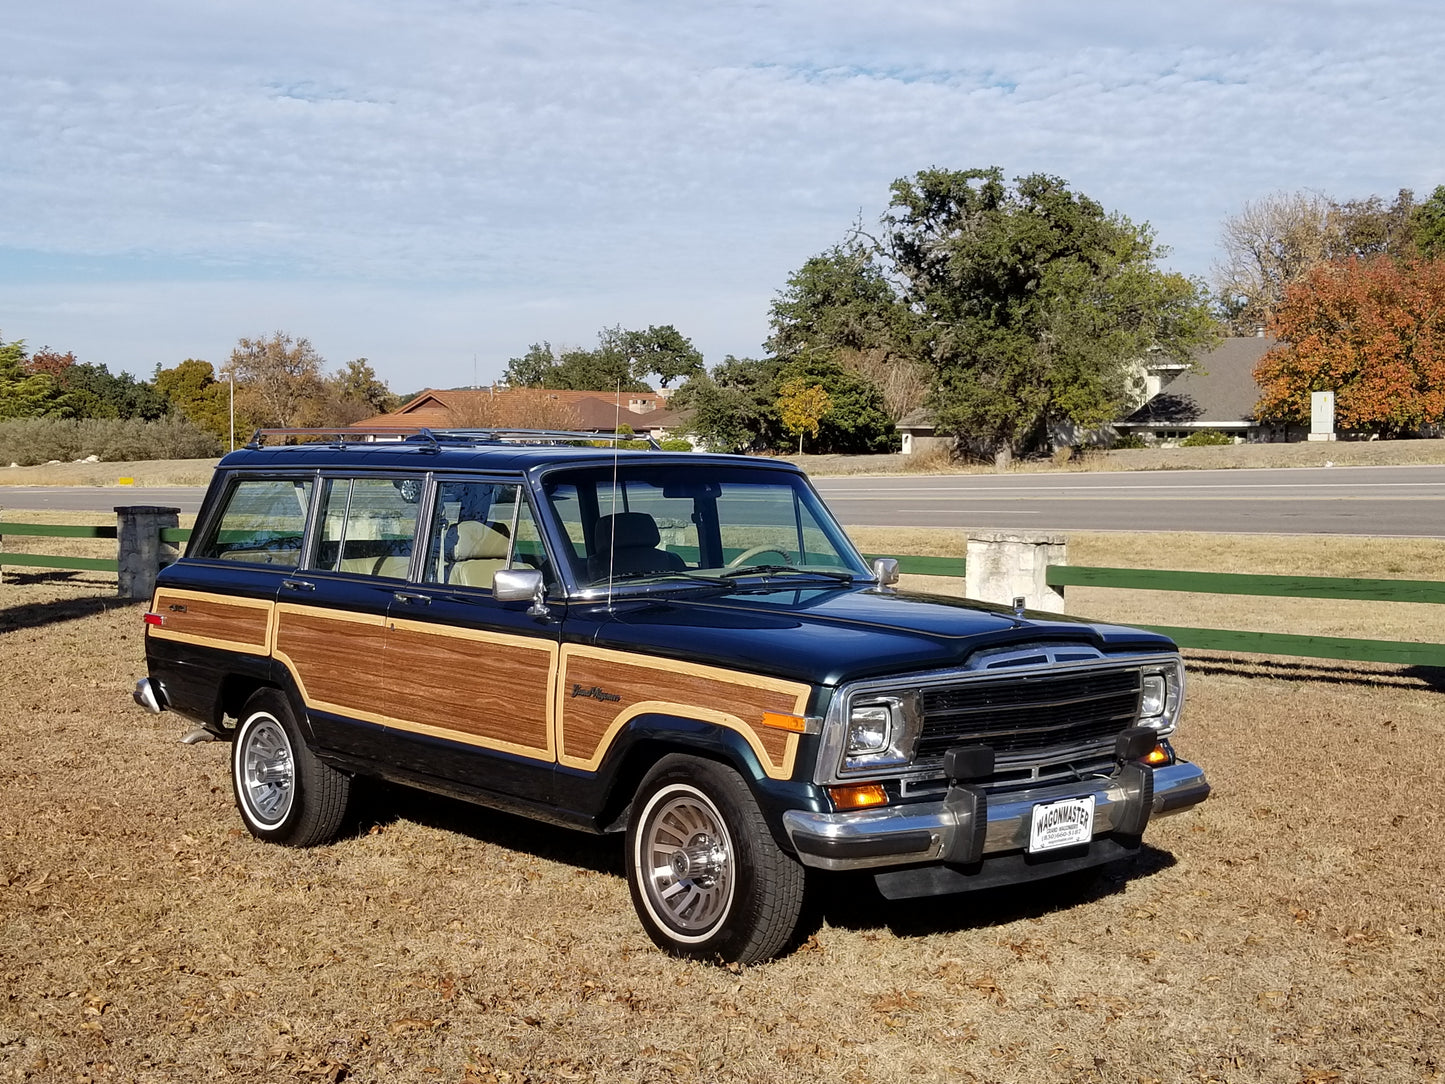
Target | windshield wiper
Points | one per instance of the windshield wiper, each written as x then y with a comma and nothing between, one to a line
791,570
667,574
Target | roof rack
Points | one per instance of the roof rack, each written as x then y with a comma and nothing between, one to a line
339,437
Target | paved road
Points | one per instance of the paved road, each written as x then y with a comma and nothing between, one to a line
100,498
1408,501
1405,501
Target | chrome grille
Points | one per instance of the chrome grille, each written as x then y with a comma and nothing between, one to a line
1027,716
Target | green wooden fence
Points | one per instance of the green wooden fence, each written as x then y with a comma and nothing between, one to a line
58,530
1127,579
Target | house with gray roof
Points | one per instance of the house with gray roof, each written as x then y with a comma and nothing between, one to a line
1219,393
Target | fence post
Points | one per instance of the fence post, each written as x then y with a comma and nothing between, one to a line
142,553
1005,565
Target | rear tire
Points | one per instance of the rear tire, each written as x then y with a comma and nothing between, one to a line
707,878
285,794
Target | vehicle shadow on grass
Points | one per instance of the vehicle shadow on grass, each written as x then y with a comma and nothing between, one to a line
382,804
1325,672
853,902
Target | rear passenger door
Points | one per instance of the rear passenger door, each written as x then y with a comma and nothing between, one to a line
331,614
470,681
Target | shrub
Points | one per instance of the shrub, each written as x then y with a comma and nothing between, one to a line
673,444
1206,438
28,441
1129,440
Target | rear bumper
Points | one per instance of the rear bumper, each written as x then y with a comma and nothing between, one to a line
946,832
150,695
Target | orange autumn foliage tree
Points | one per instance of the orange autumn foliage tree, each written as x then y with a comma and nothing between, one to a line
1371,331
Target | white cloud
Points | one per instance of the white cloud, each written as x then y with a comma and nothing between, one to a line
417,180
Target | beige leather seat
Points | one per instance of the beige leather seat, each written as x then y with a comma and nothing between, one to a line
629,542
476,550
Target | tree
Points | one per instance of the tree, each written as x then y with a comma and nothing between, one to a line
661,351
89,390
24,394
857,420
191,390
1277,240
278,380
1427,223
1371,331
840,307
1034,303
622,359
803,407
733,408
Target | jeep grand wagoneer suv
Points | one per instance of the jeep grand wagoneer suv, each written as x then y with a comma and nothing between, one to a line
685,648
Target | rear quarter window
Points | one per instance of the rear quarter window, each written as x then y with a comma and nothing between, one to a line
262,522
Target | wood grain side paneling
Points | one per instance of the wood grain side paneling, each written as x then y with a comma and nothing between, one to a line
458,682
599,691
335,656
211,620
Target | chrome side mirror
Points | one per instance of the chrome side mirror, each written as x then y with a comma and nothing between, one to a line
885,571
519,585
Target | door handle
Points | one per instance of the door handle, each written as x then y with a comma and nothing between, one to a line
412,598
298,585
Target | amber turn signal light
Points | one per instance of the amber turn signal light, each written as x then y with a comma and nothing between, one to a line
1157,756
858,796
777,720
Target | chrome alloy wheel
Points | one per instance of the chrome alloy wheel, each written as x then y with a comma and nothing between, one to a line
685,859
268,770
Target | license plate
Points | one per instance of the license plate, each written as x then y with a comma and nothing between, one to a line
1062,824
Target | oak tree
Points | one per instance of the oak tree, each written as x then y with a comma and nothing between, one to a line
1035,304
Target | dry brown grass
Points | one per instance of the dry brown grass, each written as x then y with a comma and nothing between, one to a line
155,472
1290,930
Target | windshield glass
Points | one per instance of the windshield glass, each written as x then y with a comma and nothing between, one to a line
676,522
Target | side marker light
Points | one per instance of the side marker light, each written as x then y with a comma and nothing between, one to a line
155,619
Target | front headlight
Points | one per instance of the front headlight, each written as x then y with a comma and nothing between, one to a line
1161,695
882,733
869,728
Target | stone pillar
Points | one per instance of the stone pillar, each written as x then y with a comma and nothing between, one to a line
142,553
1005,565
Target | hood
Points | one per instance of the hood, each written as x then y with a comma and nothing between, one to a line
828,635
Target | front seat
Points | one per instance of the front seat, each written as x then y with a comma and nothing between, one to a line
628,542
476,550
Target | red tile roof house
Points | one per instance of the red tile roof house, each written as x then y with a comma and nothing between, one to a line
535,408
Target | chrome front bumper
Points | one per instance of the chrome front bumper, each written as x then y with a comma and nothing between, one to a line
933,831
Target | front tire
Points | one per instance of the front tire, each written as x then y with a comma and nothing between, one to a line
706,876
285,794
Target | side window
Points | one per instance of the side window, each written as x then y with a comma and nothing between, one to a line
477,528
368,525
262,523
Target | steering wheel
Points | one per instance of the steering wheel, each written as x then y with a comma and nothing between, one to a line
748,554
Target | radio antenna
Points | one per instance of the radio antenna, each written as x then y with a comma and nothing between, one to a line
612,542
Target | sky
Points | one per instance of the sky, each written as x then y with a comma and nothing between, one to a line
436,184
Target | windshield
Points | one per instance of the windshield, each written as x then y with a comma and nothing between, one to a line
684,522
